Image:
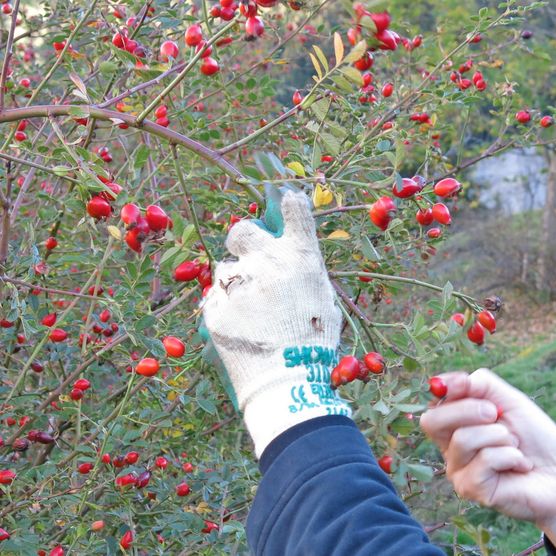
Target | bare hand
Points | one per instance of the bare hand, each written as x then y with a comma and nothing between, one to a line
508,463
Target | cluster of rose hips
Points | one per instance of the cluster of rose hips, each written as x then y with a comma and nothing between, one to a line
122,40
20,134
104,153
484,320
194,38
349,368
140,228
103,329
384,209
464,83
149,366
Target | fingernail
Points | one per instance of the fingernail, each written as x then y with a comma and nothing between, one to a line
488,411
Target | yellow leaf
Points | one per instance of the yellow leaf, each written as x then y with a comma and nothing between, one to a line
203,508
172,396
338,48
434,119
322,196
321,57
316,64
114,232
339,234
297,167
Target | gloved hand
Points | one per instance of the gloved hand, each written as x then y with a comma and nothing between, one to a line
272,318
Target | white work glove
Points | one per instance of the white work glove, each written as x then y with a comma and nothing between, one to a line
272,318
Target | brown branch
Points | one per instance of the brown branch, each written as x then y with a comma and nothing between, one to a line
9,54
175,138
533,548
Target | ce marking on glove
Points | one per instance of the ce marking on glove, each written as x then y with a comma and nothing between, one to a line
299,397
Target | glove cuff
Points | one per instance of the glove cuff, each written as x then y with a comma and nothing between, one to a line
302,392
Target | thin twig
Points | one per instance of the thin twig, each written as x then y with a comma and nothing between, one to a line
22,283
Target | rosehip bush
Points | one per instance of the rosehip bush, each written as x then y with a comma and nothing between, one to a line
134,135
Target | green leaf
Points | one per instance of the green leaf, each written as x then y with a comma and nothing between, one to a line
421,472
207,405
141,156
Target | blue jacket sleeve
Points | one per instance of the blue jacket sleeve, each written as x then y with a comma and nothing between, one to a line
323,493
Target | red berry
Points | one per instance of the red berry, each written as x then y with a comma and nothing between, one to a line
408,189
161,111
476,333
76,394
441,214
254,26
20,136
127,540
210,525
253,208
174,346
84,468
82,384
57,551
157,219
382,212
487,319
374,362
7,476
434,233
209,66
97,207
143,480
424,216
346,370
365,62
459,318
58,335
134,240
547,121
187,271
147,367
4,535
385,463
49,320
297,98
169,49
193,35
164,121
183,489
437,387
387,90
523,116
447,187
161,462
51,243
132,457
